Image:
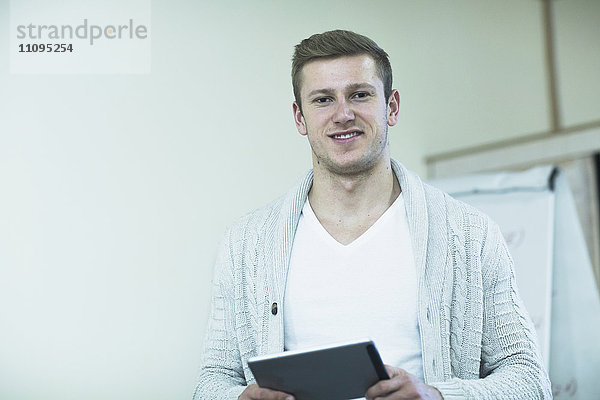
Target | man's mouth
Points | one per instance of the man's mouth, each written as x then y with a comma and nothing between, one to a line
346,135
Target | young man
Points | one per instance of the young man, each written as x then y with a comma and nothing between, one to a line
362,248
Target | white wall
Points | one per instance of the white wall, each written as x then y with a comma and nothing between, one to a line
115,189
577,37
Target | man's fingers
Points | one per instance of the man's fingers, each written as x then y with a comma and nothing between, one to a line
267,394
254,392
400,382
395,371
389,369
398,377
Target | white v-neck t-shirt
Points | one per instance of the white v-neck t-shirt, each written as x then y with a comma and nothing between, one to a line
366,289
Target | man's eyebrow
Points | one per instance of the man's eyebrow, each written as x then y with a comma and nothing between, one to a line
350,88
325,91
358,86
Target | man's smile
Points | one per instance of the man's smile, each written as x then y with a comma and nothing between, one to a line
346,134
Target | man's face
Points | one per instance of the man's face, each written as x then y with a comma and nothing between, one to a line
345,114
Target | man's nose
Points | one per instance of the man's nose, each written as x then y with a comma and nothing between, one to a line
343,112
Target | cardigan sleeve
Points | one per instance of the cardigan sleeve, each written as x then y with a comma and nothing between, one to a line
511,366
221,373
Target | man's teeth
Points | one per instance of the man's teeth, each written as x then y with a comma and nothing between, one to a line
346,135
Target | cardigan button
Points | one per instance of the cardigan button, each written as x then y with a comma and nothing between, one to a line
274,309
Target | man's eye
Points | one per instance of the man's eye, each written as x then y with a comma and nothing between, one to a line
322,100
360,95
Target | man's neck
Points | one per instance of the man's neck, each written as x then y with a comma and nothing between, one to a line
348,205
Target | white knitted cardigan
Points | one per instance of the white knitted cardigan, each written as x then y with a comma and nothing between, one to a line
477,339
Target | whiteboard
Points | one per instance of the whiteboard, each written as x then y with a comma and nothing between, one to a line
575,342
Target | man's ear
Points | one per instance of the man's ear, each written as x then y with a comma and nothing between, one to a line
393,108
299,119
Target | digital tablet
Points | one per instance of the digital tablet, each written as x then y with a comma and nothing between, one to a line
335,372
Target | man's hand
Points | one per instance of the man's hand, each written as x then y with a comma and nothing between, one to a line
253,392
402,386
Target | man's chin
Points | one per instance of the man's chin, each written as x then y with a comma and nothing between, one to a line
348,167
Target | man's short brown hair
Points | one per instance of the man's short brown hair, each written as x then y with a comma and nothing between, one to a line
339,43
